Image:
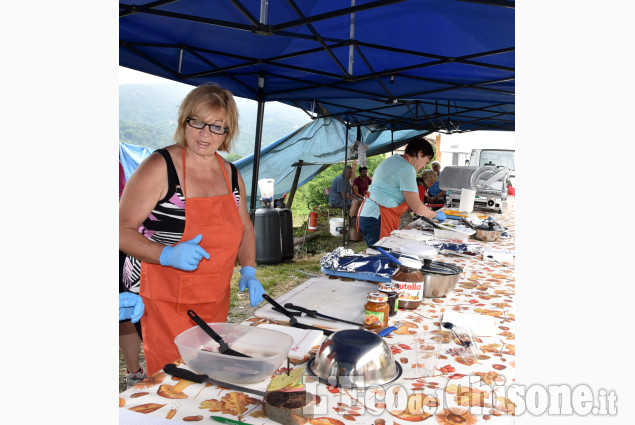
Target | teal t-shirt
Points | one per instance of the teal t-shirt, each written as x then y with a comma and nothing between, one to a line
392,177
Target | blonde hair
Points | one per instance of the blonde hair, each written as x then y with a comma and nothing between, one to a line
428,175
202,101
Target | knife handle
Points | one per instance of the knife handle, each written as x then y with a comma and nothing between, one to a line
308,312
283,310
172,369
209,331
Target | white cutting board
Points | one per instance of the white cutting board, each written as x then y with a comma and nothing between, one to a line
333,297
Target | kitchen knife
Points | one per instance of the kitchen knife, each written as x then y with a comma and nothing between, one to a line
315,314
430,222
173,370
293,321
228,421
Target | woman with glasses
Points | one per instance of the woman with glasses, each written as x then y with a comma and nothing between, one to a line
182,224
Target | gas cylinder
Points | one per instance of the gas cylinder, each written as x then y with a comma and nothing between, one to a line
267,231
286,230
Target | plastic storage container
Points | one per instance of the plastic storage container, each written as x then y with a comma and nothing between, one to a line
266,188
267,347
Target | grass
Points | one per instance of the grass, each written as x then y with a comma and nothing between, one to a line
276,279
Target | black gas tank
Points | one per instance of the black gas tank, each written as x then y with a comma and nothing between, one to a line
267,231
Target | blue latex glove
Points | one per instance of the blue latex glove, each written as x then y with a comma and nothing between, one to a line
130,307
440,216
248,280
185,255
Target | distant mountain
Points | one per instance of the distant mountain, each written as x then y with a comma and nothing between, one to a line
148,113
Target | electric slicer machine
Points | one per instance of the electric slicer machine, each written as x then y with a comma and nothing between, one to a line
489,182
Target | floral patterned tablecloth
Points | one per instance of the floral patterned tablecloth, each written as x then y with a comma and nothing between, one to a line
460,391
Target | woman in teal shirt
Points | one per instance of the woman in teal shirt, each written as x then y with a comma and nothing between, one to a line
394,189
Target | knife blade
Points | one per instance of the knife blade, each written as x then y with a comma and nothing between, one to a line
172,369
315,314
228,421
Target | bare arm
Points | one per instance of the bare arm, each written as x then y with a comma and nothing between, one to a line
415,204
147,185
247,249
356,191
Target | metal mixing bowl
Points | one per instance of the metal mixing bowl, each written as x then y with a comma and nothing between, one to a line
354,358
439,285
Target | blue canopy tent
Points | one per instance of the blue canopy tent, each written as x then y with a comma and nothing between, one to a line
426,65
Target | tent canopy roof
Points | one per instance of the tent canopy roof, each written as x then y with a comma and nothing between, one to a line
437,65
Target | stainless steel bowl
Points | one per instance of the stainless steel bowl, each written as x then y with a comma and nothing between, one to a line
354,358
439,284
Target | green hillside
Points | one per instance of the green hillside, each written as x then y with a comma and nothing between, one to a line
148,112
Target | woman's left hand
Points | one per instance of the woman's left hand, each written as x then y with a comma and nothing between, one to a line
130,307
248,281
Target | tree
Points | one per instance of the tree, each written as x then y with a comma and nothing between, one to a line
233,157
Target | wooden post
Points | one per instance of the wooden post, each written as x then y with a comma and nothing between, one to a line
437,143
294,186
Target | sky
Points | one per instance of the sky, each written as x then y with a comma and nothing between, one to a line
130,76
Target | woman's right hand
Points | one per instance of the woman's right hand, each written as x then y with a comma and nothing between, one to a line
184,255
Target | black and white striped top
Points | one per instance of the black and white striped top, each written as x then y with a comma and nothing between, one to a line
166,223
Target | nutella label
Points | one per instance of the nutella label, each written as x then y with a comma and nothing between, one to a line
409,291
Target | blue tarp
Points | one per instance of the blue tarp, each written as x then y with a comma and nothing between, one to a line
318,144
131,156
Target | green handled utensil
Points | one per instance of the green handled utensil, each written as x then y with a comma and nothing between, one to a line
228,421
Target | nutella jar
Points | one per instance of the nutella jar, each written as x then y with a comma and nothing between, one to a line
409,279
391,291
376,311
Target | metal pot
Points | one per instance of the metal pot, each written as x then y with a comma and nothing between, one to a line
439,278
488,233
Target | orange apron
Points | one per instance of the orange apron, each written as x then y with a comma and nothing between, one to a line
168,292
390,218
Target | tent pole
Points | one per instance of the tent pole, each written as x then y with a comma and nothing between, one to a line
345,175
392,140
294,186
256,165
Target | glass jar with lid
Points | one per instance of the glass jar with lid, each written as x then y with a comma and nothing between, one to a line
409,279
376,311
392,292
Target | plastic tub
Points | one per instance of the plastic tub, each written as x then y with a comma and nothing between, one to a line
266,188
336,226
267,347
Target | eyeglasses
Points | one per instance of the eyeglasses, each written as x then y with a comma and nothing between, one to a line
213,128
